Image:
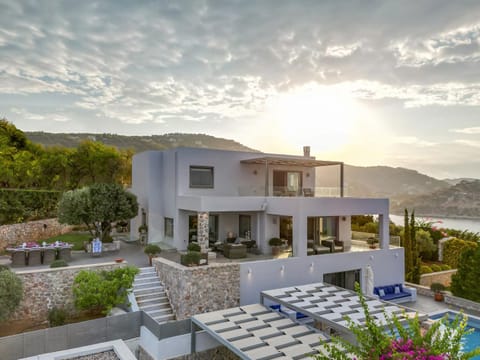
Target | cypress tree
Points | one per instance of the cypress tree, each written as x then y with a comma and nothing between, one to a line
407,245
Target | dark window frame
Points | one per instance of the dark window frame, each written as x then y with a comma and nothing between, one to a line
200,186
168,228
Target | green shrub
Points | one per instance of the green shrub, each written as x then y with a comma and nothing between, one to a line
58,263
424,269
99,292
194,247
11,293
19,205
152,249
465,281
57,317
275,241
445,267
191,258
436,268
437,287
453,250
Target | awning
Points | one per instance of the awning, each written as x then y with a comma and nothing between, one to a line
330,304
257,332
289,161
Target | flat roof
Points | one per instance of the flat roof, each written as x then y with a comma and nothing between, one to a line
289,161
330,304
255,332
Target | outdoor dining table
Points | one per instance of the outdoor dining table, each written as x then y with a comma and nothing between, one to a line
37,255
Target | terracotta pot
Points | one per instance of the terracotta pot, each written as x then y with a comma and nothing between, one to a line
119,260
438,296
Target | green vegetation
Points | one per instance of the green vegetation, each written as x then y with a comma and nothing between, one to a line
76,239
27,165
97,206
425,269
275,242
191,258
57,317
453,250
11,293
442,341
412,258
194,247
99,292
58,263
437,287
152,250
18,205
465,281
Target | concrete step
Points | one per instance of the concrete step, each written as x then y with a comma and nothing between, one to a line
154,307
142,280
149,295
159,312
146,274
147,270
164,318
147,290
152,301
147,285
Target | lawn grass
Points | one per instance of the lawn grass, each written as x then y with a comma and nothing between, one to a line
76,239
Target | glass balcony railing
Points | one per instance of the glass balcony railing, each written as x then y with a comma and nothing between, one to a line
284,191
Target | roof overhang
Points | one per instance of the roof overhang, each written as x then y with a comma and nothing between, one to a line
289,161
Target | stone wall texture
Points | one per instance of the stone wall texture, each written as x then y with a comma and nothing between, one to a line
443,277
16,234
199,289
45,289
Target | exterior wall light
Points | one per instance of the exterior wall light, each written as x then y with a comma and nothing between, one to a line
282,269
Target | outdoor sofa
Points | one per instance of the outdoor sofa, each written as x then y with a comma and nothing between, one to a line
395,293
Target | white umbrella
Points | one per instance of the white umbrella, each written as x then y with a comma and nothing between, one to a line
369,281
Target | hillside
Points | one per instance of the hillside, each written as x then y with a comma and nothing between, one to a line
381,181
460,200
138,143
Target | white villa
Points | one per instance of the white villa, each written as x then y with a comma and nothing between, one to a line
207,196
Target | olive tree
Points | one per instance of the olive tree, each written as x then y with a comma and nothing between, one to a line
97,206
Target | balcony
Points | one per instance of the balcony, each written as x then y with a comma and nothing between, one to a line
284,191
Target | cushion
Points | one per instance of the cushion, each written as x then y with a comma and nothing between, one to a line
381,292
397,289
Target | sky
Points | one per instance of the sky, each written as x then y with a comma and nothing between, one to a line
365,82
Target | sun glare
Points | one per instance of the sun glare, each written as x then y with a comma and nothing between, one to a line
321,116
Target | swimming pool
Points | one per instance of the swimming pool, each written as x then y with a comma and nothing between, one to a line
471,341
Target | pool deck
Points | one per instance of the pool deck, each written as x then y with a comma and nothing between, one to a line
427,305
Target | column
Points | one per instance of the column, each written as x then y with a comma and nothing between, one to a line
384,230
202,231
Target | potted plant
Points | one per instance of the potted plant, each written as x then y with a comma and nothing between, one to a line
372,242
437,289
276,244
152,251
143,229
194,256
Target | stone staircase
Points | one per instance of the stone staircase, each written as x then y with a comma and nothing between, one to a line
151,296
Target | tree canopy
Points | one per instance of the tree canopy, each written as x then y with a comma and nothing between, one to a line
26,165
97,206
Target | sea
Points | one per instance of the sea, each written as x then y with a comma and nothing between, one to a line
450,223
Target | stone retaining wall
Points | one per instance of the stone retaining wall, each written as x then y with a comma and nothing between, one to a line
443,277
199,289
46,288
15,234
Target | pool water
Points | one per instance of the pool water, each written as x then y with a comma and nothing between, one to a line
471,341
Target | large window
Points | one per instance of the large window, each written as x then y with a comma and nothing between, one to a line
168,227
245,226
201,177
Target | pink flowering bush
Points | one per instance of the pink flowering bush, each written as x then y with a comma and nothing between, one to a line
403,338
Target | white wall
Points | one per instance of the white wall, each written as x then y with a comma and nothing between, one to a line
387,265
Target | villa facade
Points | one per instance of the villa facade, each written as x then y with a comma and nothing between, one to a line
211,196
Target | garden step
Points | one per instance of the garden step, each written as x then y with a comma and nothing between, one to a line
146,274
145,279
164,318
147,290
147,270
149,295
146,285
152,301
154,307
160,312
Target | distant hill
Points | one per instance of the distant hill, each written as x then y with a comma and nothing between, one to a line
381,181
138,143
456,181
460,200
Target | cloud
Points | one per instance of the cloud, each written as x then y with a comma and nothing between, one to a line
469,130
412,140
36,117
470,143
